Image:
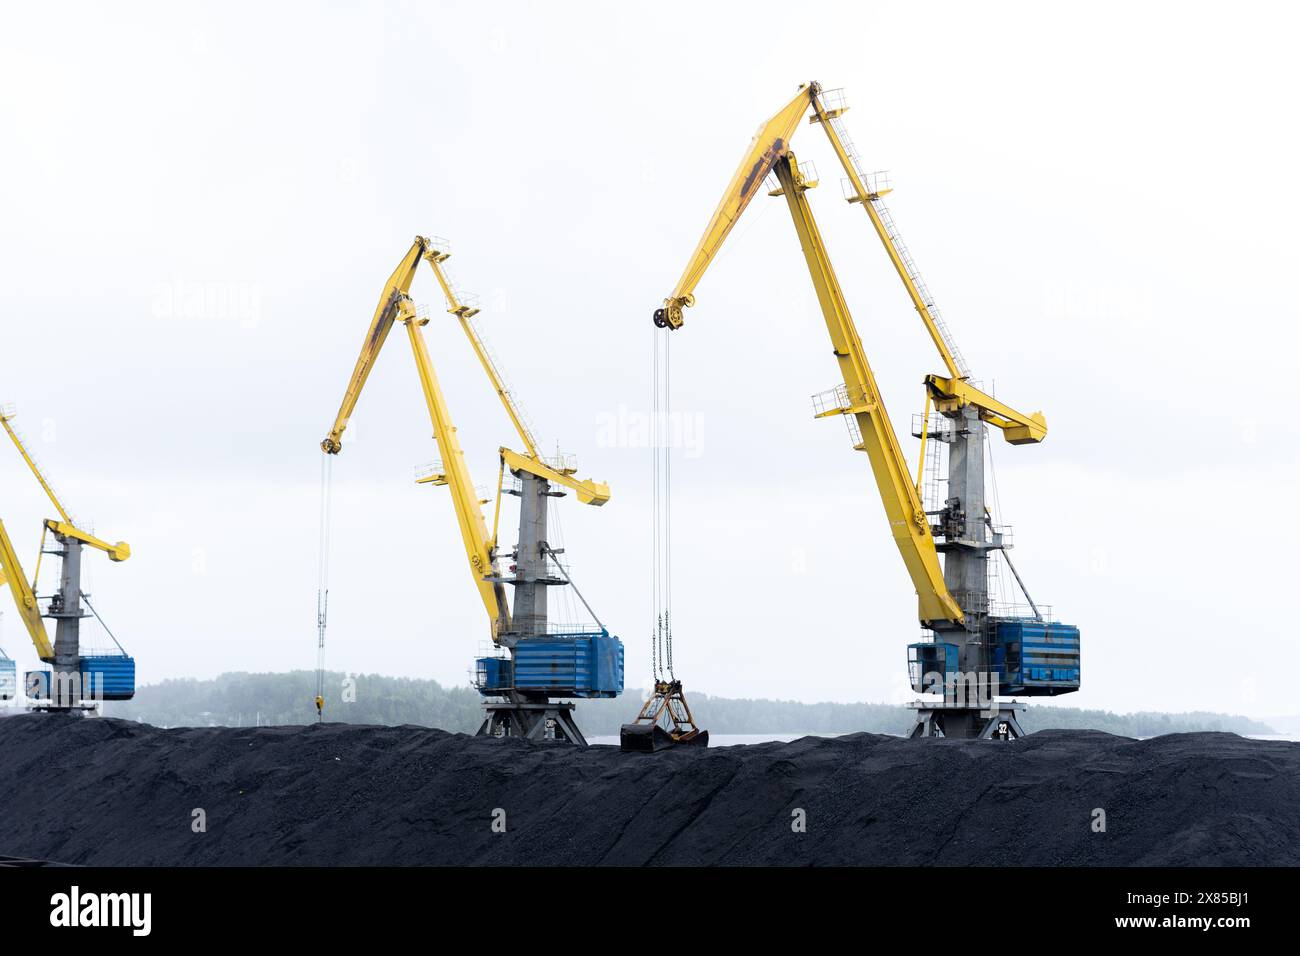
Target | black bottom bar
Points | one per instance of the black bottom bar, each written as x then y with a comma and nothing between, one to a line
219,905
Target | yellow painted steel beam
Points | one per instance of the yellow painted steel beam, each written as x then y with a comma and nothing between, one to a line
904,509
116,552
399,283
1017,427
920,455
11,573
770,143
588,492
479,549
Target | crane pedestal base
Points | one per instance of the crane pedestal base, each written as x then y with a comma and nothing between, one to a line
543,720
48,708
997,721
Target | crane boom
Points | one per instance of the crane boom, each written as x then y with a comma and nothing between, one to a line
770,143
399,283
479,548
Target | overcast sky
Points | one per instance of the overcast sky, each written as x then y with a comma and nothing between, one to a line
200,204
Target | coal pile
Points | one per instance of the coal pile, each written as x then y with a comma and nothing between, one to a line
112,792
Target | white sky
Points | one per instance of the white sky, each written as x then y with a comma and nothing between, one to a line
201,202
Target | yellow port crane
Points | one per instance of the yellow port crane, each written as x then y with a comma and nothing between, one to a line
527,708
952,596
74,676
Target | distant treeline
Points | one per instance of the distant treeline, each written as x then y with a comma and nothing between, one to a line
240,699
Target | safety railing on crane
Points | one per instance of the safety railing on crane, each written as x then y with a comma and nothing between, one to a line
563,462
554,569
469,302
832,400
430,471
936,427
807,172
463,302
842,399
433,472
1001,535
1022,611
876,182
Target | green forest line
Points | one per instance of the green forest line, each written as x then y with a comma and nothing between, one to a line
242,699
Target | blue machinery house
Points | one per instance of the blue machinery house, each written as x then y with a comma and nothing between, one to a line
1030,658
103,677
582,665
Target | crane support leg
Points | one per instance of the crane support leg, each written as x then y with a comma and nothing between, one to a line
532,720
999,721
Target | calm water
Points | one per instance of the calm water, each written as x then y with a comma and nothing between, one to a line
739,740
730,740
